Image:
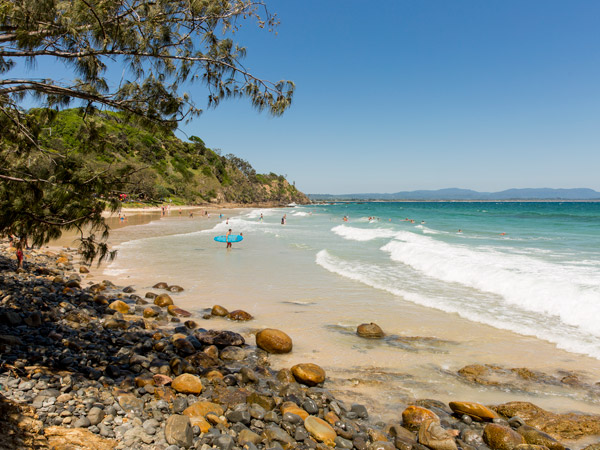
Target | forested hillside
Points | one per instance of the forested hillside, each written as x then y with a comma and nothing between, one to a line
165,166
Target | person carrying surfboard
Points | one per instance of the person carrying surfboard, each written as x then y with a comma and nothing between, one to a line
227,238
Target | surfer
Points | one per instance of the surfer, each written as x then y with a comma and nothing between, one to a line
227,238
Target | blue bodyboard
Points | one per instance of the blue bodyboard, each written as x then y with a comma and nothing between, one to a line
232,238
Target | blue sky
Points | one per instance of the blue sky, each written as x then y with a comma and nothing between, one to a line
422,94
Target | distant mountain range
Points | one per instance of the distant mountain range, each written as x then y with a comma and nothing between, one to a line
467,194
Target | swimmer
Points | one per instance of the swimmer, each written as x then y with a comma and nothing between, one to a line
460,231
502,234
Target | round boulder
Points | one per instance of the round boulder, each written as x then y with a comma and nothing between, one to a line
320,430
474,410
161,285
414,416
119,306
174,288
370,331
163,300
308,373
239,315
187,384
500,437
219,311
273,341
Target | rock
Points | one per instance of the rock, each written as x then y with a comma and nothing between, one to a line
95,415
320,430
83,269
559,426
265,401
161,285
178,312
370,331
273,341
291,407
202,408
500,437
308,373
120,306
163,300
534,436
128,289
150,312
474,410
131,403
432,435
220,338
61,438
175,288
187,384
273,433
219,311
246,436
239,315
530,447
233,354
414,416
178,431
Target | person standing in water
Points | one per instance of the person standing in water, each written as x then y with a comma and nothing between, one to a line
227,238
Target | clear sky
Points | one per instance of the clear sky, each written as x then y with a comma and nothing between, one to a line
400,95
403,94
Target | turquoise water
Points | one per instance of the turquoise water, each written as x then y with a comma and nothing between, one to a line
530,268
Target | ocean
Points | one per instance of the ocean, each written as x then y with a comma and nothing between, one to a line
510,284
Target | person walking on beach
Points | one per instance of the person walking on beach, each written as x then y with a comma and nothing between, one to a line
20,255
227,238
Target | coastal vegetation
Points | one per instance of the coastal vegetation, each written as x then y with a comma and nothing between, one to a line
134,61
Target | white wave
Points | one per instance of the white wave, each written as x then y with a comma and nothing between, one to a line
362,234
471,305
255,213
300,213
532,284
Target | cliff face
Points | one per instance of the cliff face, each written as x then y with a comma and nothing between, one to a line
165,166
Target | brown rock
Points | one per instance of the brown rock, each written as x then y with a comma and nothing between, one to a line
163,300
178,312
331,418
144,380
100,299
60,438
83,269
370,331
320,430
161,285
414,416
434,436
150,312
273,341
202,408
218,310
190,324
239,315
309,374
291,407
500,437
265,401
475,410
536,437
201,422
285,376
559,426
175,288
119,306
187,384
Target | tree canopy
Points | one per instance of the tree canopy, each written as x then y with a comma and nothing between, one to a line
133,56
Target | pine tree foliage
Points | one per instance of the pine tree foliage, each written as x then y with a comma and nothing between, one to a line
159,46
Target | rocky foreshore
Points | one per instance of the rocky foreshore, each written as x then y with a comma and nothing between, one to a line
96,366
